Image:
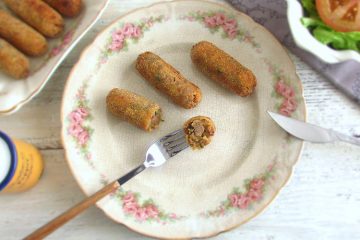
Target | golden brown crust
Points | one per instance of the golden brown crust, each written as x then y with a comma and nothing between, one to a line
22,36
198,131
134,108
39,15
67,8
168,80
13,62
222,68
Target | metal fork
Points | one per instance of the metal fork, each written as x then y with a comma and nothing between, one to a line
157,154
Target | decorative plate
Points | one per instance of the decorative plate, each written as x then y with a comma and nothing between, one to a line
197,193
15,93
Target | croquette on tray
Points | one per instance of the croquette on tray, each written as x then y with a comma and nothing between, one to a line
13,62
67,8
39,15
21,35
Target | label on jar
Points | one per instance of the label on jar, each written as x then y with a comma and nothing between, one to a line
28,170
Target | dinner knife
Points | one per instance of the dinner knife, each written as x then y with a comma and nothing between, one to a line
310,132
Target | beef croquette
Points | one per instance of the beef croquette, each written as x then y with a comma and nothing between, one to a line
67,8
13,62
22,36
222,68
134,108
39,15
168,80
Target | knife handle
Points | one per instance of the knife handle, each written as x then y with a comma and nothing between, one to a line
72,212
346,138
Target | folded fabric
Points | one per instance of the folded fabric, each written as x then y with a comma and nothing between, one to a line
272,15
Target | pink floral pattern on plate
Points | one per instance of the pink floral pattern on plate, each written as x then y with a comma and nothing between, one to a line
254,189
282,90
220,20
148,211
64,43
78,127
121,36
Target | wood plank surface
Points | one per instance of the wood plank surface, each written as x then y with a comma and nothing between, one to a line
322,200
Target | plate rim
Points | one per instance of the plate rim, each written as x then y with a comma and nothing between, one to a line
16,106
224,5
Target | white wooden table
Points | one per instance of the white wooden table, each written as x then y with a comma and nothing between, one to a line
322,200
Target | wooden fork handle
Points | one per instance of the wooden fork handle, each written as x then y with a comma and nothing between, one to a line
72,212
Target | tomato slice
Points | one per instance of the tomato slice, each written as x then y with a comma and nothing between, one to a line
340,15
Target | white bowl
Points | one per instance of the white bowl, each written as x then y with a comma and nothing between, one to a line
306,41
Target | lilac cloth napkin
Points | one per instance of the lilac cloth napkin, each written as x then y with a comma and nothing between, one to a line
272,15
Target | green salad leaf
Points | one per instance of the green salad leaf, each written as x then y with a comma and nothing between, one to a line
310,8
326,35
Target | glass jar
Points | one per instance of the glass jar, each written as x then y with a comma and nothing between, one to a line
21,165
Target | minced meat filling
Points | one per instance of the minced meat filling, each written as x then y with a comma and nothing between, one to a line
156,119
199,131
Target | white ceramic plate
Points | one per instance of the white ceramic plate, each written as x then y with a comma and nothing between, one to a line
306,41
197,193
16,93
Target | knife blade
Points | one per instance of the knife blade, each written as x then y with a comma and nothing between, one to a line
310,132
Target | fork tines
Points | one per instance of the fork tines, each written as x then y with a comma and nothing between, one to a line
174,142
